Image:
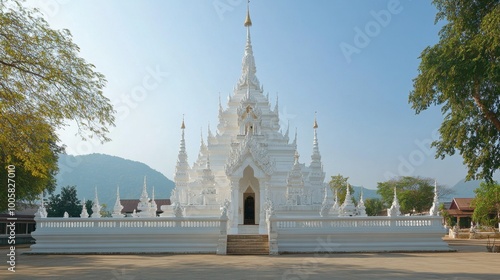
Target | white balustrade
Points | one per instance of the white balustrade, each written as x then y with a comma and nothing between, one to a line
358,222
130,235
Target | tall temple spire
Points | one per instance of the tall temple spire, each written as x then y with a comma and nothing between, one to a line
316,156
317,175
182,166
248,78
182,149
295,138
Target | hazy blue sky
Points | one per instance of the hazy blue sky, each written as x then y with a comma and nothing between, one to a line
163,59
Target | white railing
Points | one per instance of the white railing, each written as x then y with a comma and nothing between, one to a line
131,235
159,222
355,234
357,222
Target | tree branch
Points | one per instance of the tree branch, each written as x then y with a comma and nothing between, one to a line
490,116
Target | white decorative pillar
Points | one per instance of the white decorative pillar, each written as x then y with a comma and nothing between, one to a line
233,220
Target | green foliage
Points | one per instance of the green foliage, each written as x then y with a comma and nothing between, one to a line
43,85
67,201
414,193
339,183
487,204
104,211
88,206
449,220
374,206
461,73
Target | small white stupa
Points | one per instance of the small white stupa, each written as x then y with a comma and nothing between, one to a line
96,207
361,206
435,203
84,213
348,208
117,209
394,210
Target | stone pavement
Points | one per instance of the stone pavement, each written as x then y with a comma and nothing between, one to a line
470,262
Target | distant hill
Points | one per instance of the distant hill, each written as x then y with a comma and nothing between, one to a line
106,173
367,193
464,189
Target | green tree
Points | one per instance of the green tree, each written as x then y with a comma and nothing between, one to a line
66,201
339,183
461,74
487,203
44,86
374,206
448,219
88,206
104,211
414,193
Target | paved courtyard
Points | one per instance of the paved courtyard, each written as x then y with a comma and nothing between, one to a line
470,262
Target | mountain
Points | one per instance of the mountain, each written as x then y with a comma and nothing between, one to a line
367,193
106,173
464,189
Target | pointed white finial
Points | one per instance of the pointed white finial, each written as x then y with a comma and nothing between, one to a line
248,21
117,209
434,211
395,208
315,125
96,207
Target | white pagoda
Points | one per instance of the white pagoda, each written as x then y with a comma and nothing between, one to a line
249,161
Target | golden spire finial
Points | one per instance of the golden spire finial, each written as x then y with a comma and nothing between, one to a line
248,21
183,126
315,122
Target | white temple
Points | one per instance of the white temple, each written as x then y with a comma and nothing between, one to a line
247,182
249,161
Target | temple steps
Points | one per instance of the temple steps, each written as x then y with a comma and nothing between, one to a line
247,244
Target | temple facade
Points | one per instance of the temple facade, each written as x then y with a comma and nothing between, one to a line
247,182
250,161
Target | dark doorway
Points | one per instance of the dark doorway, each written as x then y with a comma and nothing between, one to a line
249,214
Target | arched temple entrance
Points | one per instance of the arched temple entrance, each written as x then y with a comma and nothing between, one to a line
249,207
249,198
